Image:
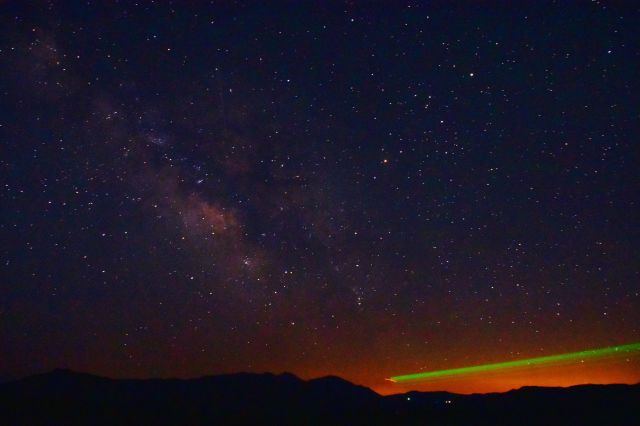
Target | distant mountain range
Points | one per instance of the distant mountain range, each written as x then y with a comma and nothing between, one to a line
63,397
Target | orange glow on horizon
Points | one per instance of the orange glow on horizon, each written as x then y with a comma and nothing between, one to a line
604,371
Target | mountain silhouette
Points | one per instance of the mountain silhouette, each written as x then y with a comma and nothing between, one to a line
64,397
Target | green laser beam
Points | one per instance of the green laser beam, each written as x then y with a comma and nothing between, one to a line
544,360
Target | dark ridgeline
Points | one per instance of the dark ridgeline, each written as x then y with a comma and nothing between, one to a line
63,397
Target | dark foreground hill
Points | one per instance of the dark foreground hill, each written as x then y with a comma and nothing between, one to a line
67,398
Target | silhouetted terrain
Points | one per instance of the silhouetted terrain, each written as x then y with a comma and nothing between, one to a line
65,398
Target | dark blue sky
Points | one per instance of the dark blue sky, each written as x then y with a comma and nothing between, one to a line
358,189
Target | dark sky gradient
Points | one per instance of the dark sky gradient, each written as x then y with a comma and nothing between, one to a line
359,189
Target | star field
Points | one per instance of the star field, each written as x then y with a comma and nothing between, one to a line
316,187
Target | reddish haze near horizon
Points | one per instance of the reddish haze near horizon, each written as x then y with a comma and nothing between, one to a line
622,370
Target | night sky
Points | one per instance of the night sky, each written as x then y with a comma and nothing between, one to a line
359,189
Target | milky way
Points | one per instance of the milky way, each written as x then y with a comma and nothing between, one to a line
321,188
